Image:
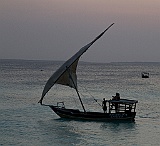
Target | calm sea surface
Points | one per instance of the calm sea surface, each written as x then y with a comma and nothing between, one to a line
24,122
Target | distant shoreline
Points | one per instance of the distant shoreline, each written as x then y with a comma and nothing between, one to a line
61,61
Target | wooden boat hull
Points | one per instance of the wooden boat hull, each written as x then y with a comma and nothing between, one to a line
96,116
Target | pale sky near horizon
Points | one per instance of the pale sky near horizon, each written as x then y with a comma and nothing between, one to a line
56,29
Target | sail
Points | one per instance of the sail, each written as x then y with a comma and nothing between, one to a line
66,74
69,77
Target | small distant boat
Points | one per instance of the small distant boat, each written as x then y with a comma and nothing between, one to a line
145,75
118,109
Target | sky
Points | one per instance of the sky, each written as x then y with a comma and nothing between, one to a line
56,29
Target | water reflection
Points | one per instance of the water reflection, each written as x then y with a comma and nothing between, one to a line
118,126
76,132
119,132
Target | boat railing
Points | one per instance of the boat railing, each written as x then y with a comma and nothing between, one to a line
60,104
119,107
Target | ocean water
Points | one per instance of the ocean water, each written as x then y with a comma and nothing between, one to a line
24,122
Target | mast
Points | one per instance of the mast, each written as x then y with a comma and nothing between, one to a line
76,89
80,99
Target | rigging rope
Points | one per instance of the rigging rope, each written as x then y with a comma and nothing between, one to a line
92,96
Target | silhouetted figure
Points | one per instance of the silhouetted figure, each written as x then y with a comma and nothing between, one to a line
104,106
117,97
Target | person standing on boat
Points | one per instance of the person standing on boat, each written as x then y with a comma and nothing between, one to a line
104,106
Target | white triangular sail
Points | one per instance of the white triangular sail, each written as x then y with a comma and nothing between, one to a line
69,76
66,74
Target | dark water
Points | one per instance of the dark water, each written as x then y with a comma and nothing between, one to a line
24,122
